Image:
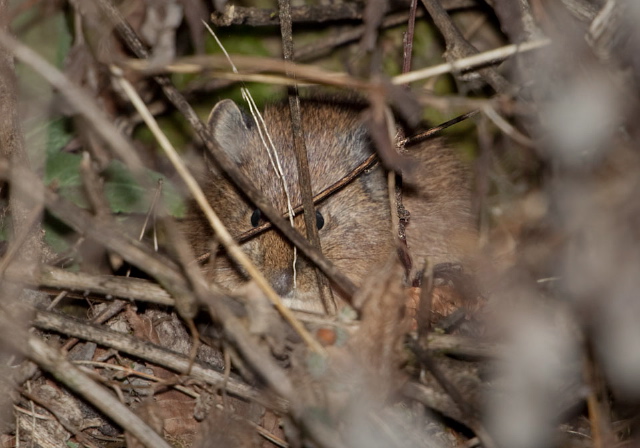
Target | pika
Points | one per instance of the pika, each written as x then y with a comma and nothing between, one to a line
354,223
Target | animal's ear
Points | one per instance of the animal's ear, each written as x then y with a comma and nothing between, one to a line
231,128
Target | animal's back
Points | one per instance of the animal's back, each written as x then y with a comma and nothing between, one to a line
354,224
438,197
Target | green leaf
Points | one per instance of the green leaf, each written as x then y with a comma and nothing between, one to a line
126,195
56,234
58,135
64,169
123,192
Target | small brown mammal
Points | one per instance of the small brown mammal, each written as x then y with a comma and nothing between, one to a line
354,224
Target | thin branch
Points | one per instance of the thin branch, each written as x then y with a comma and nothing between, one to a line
374,12
24,213
238,15
439,401
597,401
434,130
300,150
110,311
469,414
506,127
582,10
401,217
482,172
324,46
23,233
605,27
408,37
463,346
517,19
488,57
458,47
107,285
425,305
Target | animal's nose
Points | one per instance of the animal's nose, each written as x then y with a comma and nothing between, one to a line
282,281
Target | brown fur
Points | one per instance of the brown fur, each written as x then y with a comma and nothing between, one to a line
357,233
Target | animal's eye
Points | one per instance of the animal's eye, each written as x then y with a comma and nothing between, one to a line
319,220
256,216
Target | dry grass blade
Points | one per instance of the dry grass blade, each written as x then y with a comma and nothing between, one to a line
470,62
303,73
310,74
